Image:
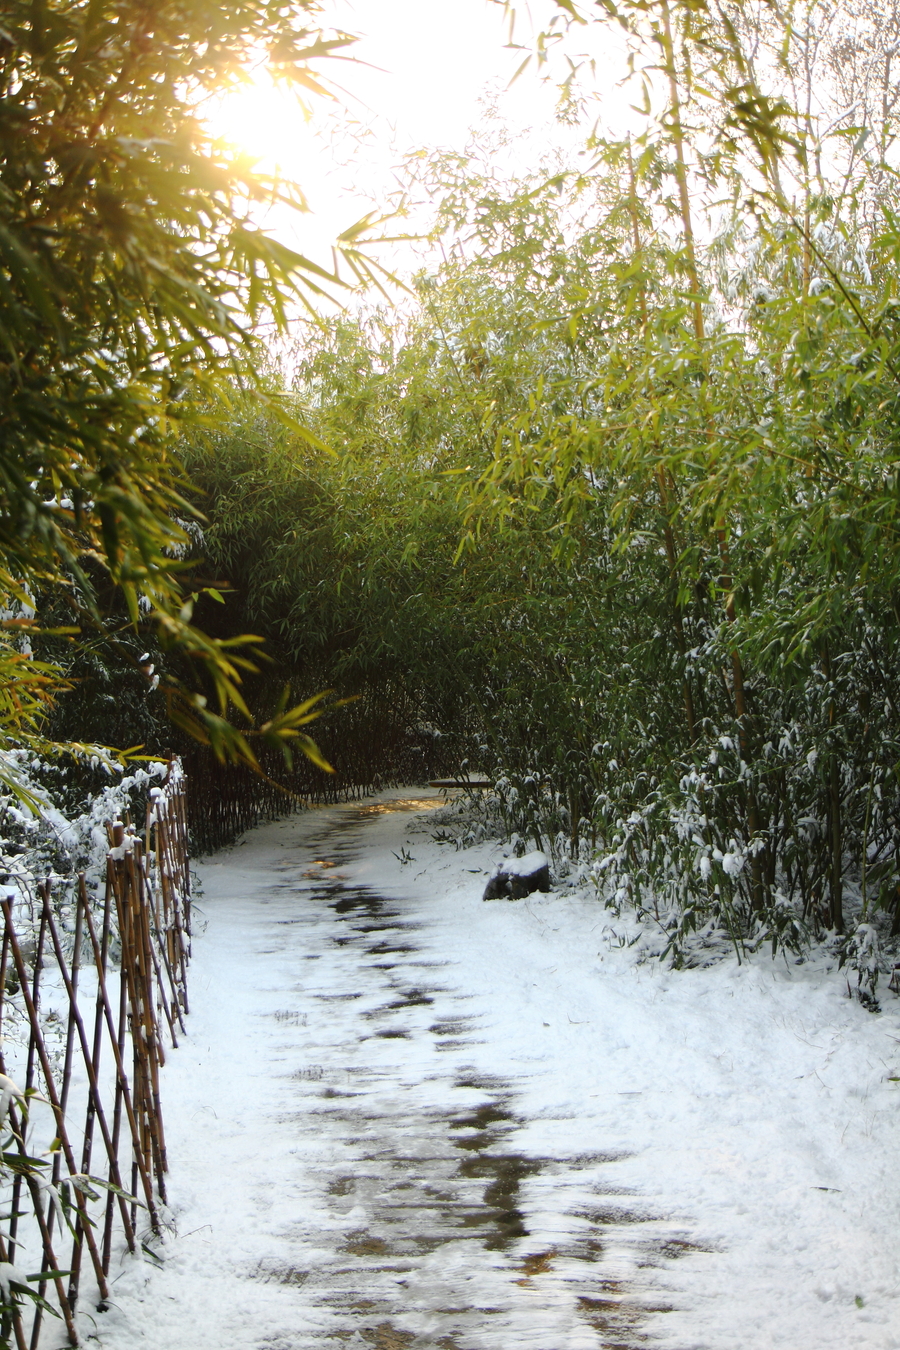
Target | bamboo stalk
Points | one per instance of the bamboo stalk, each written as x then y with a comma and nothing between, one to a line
668,533
129,1009
62,1133
835,868
754,818
143,982
182,823
117,1037
168,869
44,892
50,1263
29,1067
87,1149
13,1317
4,959
145,1033
121,1076
171,1010
93,1085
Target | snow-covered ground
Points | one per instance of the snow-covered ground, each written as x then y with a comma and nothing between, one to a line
404,1117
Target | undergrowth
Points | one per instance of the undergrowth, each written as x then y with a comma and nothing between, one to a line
677,921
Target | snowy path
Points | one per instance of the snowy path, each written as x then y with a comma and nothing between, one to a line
404,1119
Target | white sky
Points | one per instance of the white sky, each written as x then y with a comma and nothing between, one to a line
421,69
436,59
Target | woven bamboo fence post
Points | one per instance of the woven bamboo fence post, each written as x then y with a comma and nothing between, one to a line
127,884
100,958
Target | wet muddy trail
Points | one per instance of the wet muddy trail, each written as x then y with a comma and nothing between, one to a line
432,1224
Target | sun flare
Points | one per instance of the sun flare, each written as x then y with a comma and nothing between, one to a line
265,119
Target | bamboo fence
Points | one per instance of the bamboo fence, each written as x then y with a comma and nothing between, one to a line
89,1001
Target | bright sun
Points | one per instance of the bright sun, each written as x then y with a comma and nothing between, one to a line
265,119
416,79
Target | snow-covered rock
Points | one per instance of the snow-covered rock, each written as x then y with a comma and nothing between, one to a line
517,877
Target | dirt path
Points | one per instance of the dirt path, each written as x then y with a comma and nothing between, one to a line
348,1137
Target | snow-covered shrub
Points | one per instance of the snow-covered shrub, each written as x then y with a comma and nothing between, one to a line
41,838
861,952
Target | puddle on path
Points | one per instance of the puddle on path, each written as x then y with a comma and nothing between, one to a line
437,1231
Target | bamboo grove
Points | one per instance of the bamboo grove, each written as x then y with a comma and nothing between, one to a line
614,498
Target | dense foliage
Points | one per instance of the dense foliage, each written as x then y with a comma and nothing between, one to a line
661,422
131,277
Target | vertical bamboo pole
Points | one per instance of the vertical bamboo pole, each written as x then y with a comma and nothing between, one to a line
130,1017
93,1084
144,1033
18,1126
835,836
754,819
124,1096
169,950
184,854
29,1066
70,979
50,1085
668,534
151,1041
90,1115
14,1317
